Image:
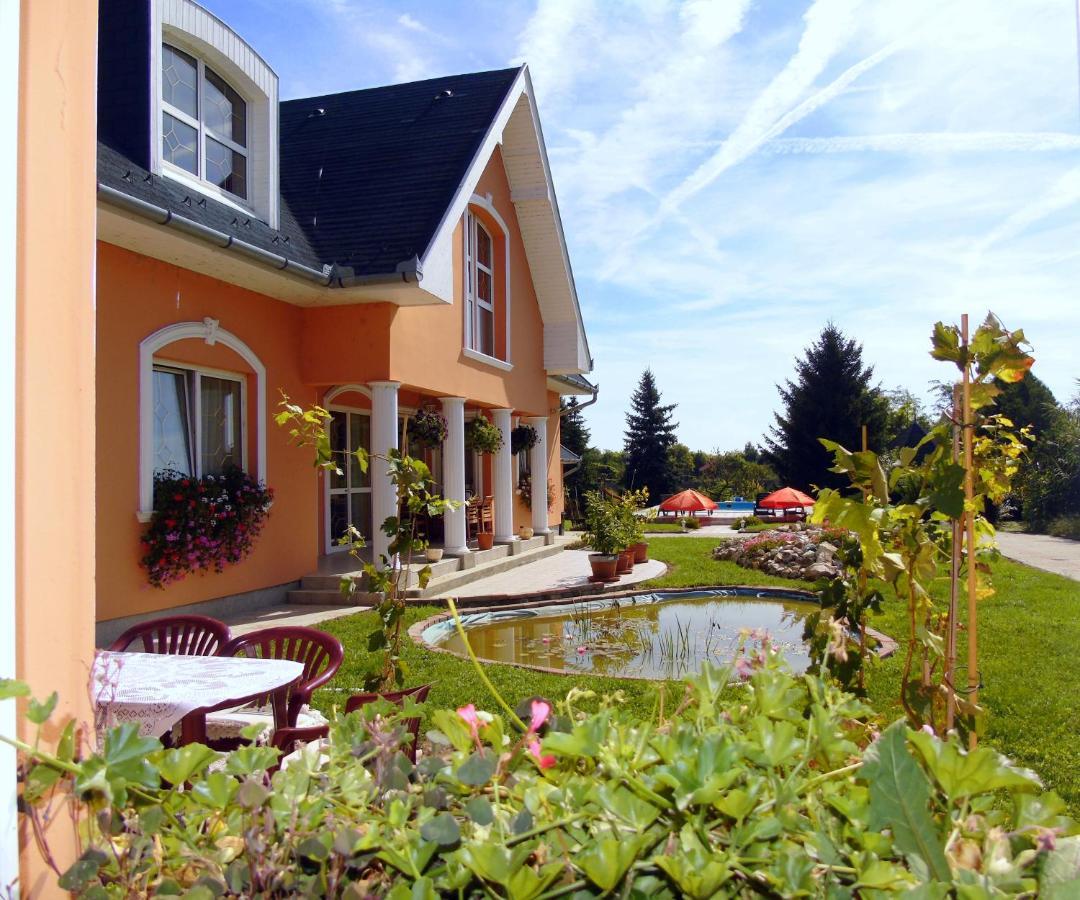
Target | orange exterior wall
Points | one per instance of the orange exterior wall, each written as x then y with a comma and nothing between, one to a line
442,368
54,420
137,295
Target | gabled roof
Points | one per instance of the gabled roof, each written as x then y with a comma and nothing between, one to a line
369,174
372,184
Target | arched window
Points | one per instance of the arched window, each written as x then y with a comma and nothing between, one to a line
204,123
486,284
479,287
193,419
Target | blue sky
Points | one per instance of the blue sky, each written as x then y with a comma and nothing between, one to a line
732,174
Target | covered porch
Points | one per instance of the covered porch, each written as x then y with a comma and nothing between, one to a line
377,416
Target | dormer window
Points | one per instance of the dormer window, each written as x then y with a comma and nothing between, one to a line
203,123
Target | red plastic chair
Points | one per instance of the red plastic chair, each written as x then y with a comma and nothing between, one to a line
320,653
178,635
412,725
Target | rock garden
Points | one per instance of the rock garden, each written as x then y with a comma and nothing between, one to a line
798,551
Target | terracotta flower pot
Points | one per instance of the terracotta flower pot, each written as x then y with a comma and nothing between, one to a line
485,540
603,567
626,563
641,552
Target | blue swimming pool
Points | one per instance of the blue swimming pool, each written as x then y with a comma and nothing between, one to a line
736,505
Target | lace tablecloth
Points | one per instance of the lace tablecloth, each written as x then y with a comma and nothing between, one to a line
157,690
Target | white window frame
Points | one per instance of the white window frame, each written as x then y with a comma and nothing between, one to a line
209,331
470,222
197,372
204,132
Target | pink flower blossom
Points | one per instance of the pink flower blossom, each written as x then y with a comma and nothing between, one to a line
1045,839
583,650
544,761
538,715
744,667
468,713
928,729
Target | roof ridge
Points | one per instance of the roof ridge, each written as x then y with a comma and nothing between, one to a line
402,84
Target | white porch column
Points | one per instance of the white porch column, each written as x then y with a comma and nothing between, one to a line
502,472
453,456
538,466
384,437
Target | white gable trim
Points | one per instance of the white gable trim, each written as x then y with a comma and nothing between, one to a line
207,330
565,344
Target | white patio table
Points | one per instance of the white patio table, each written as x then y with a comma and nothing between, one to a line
157,690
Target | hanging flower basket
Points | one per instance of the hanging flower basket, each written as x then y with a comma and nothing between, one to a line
427,429
482,437
523,438
202,524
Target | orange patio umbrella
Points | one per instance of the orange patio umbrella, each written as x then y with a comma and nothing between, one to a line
687,501
786,498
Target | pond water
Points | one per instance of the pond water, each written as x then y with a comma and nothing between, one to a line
649,635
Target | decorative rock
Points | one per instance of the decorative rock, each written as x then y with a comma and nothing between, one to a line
795,551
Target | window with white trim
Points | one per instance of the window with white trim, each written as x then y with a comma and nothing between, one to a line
479,287
198,421
204,123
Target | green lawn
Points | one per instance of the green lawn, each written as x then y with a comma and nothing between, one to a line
663,528
1029,635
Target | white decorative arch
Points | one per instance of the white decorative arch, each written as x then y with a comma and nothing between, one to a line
210,331
336,392
484,203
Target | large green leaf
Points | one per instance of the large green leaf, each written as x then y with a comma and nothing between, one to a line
964,773
900,799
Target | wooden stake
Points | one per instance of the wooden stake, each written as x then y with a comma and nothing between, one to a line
862,613
954,583
969,520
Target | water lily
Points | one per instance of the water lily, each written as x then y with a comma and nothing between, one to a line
544,761
582,650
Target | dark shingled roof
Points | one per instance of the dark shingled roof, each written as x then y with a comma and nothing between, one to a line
370,177
364,183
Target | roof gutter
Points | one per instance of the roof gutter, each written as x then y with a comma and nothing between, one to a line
580,406
328,276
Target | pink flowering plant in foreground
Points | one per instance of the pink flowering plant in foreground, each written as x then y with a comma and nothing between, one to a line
772,786
202,524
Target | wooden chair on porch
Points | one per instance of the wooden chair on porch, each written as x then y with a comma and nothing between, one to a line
472,519
487,514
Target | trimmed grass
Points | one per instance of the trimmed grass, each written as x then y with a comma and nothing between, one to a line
1029,634
663,528
764,526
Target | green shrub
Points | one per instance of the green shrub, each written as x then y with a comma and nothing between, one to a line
746,522
691,522
778,787
1065,526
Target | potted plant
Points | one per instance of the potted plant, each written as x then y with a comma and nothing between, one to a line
481,436
427,429
603,535
485,540
632,501
523,438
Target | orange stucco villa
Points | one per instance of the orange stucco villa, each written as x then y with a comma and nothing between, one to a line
188,247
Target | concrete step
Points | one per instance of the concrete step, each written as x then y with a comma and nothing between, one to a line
439,587
448,573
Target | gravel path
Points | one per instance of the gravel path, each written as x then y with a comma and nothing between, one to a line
1051,554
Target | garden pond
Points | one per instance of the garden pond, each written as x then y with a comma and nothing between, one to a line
647,635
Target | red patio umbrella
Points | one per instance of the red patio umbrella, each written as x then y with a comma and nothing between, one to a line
687,501
786,498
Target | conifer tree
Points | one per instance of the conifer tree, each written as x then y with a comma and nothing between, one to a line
650,432
831,397
575,433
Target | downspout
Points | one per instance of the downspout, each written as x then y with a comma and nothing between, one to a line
562,412
329,276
